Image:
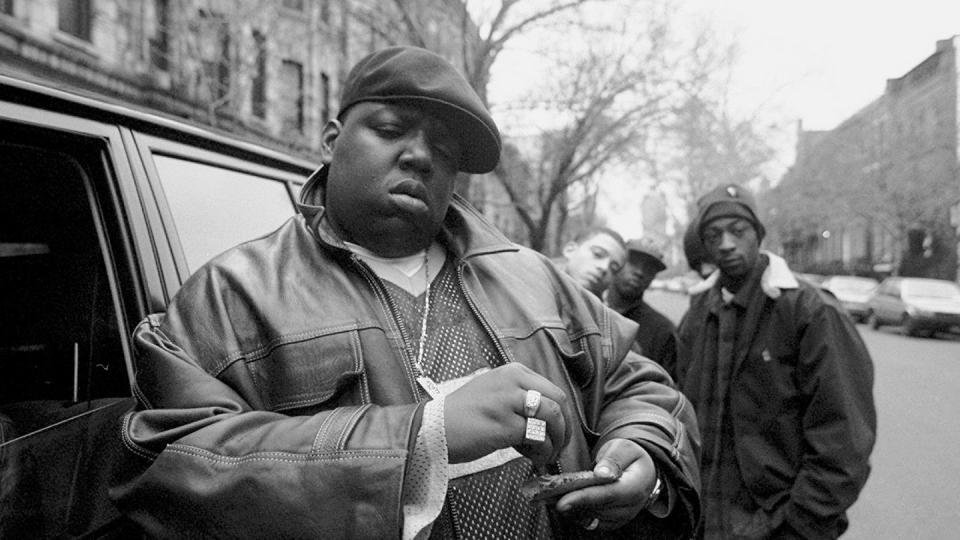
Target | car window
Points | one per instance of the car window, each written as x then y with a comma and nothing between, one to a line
932,289
215,208
63,366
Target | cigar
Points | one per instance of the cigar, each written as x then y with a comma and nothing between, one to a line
552,486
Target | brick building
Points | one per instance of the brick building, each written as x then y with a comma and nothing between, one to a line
269,70
881,192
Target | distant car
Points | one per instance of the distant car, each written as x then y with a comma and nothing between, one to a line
813,279
853,292
919,305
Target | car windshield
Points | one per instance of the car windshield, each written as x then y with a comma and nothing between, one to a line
932,289
853,284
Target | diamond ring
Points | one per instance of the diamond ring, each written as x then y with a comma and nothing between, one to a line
531,403
536,430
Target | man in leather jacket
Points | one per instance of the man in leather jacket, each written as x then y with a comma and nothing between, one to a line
782,385
387,364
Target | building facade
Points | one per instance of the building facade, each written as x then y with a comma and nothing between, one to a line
266,70
880,193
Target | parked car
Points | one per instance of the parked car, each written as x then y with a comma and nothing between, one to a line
104,212
853,292
919,305
813,279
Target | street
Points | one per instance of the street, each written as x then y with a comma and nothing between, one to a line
912,490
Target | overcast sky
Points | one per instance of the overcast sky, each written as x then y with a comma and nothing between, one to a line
822,60
819,61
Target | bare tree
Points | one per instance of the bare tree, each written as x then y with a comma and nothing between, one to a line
607,99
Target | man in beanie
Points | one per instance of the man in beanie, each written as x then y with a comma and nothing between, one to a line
657,335
387,364
782,384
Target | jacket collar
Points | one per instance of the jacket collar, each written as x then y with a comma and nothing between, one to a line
776,277
465,232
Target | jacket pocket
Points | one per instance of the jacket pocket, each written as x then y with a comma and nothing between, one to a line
310,373
577,362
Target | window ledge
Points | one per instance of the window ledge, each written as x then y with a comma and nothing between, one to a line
75,43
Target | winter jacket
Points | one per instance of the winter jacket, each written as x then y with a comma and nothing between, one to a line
800,399
276,397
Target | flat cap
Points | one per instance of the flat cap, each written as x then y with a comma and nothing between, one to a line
648,248
412,74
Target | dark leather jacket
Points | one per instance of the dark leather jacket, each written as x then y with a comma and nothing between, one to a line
277,399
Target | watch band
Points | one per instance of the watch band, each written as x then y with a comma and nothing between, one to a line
655,493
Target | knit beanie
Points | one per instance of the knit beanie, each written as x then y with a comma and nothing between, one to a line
729,200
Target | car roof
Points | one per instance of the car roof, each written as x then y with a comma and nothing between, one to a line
38,93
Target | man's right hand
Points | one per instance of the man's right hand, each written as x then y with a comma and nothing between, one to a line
487,414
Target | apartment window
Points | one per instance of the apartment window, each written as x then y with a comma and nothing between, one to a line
6,7
291,96
258,91
325,97
76,18
325,11
160,42
216,55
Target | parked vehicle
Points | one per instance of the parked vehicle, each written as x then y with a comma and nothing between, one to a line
813,279
104,212
853,292
919,305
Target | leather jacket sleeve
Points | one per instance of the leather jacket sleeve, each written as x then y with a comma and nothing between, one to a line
205,450
641,404
632,397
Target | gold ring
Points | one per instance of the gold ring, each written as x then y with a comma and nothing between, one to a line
536,430
593,524
531,403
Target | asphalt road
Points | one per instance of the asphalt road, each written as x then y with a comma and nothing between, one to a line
914,487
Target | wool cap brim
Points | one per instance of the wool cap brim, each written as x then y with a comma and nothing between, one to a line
418,76
649,250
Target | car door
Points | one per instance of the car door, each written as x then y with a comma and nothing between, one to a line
69,291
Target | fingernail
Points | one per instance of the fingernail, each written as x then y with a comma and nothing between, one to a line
603,470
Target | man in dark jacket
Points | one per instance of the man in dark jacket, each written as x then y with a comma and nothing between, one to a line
782,384
387,364
657,336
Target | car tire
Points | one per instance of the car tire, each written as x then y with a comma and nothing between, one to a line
909,326
873,321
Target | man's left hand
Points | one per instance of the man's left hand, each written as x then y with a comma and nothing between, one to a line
611,506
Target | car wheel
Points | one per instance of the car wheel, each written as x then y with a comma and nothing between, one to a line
909,326
873,321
